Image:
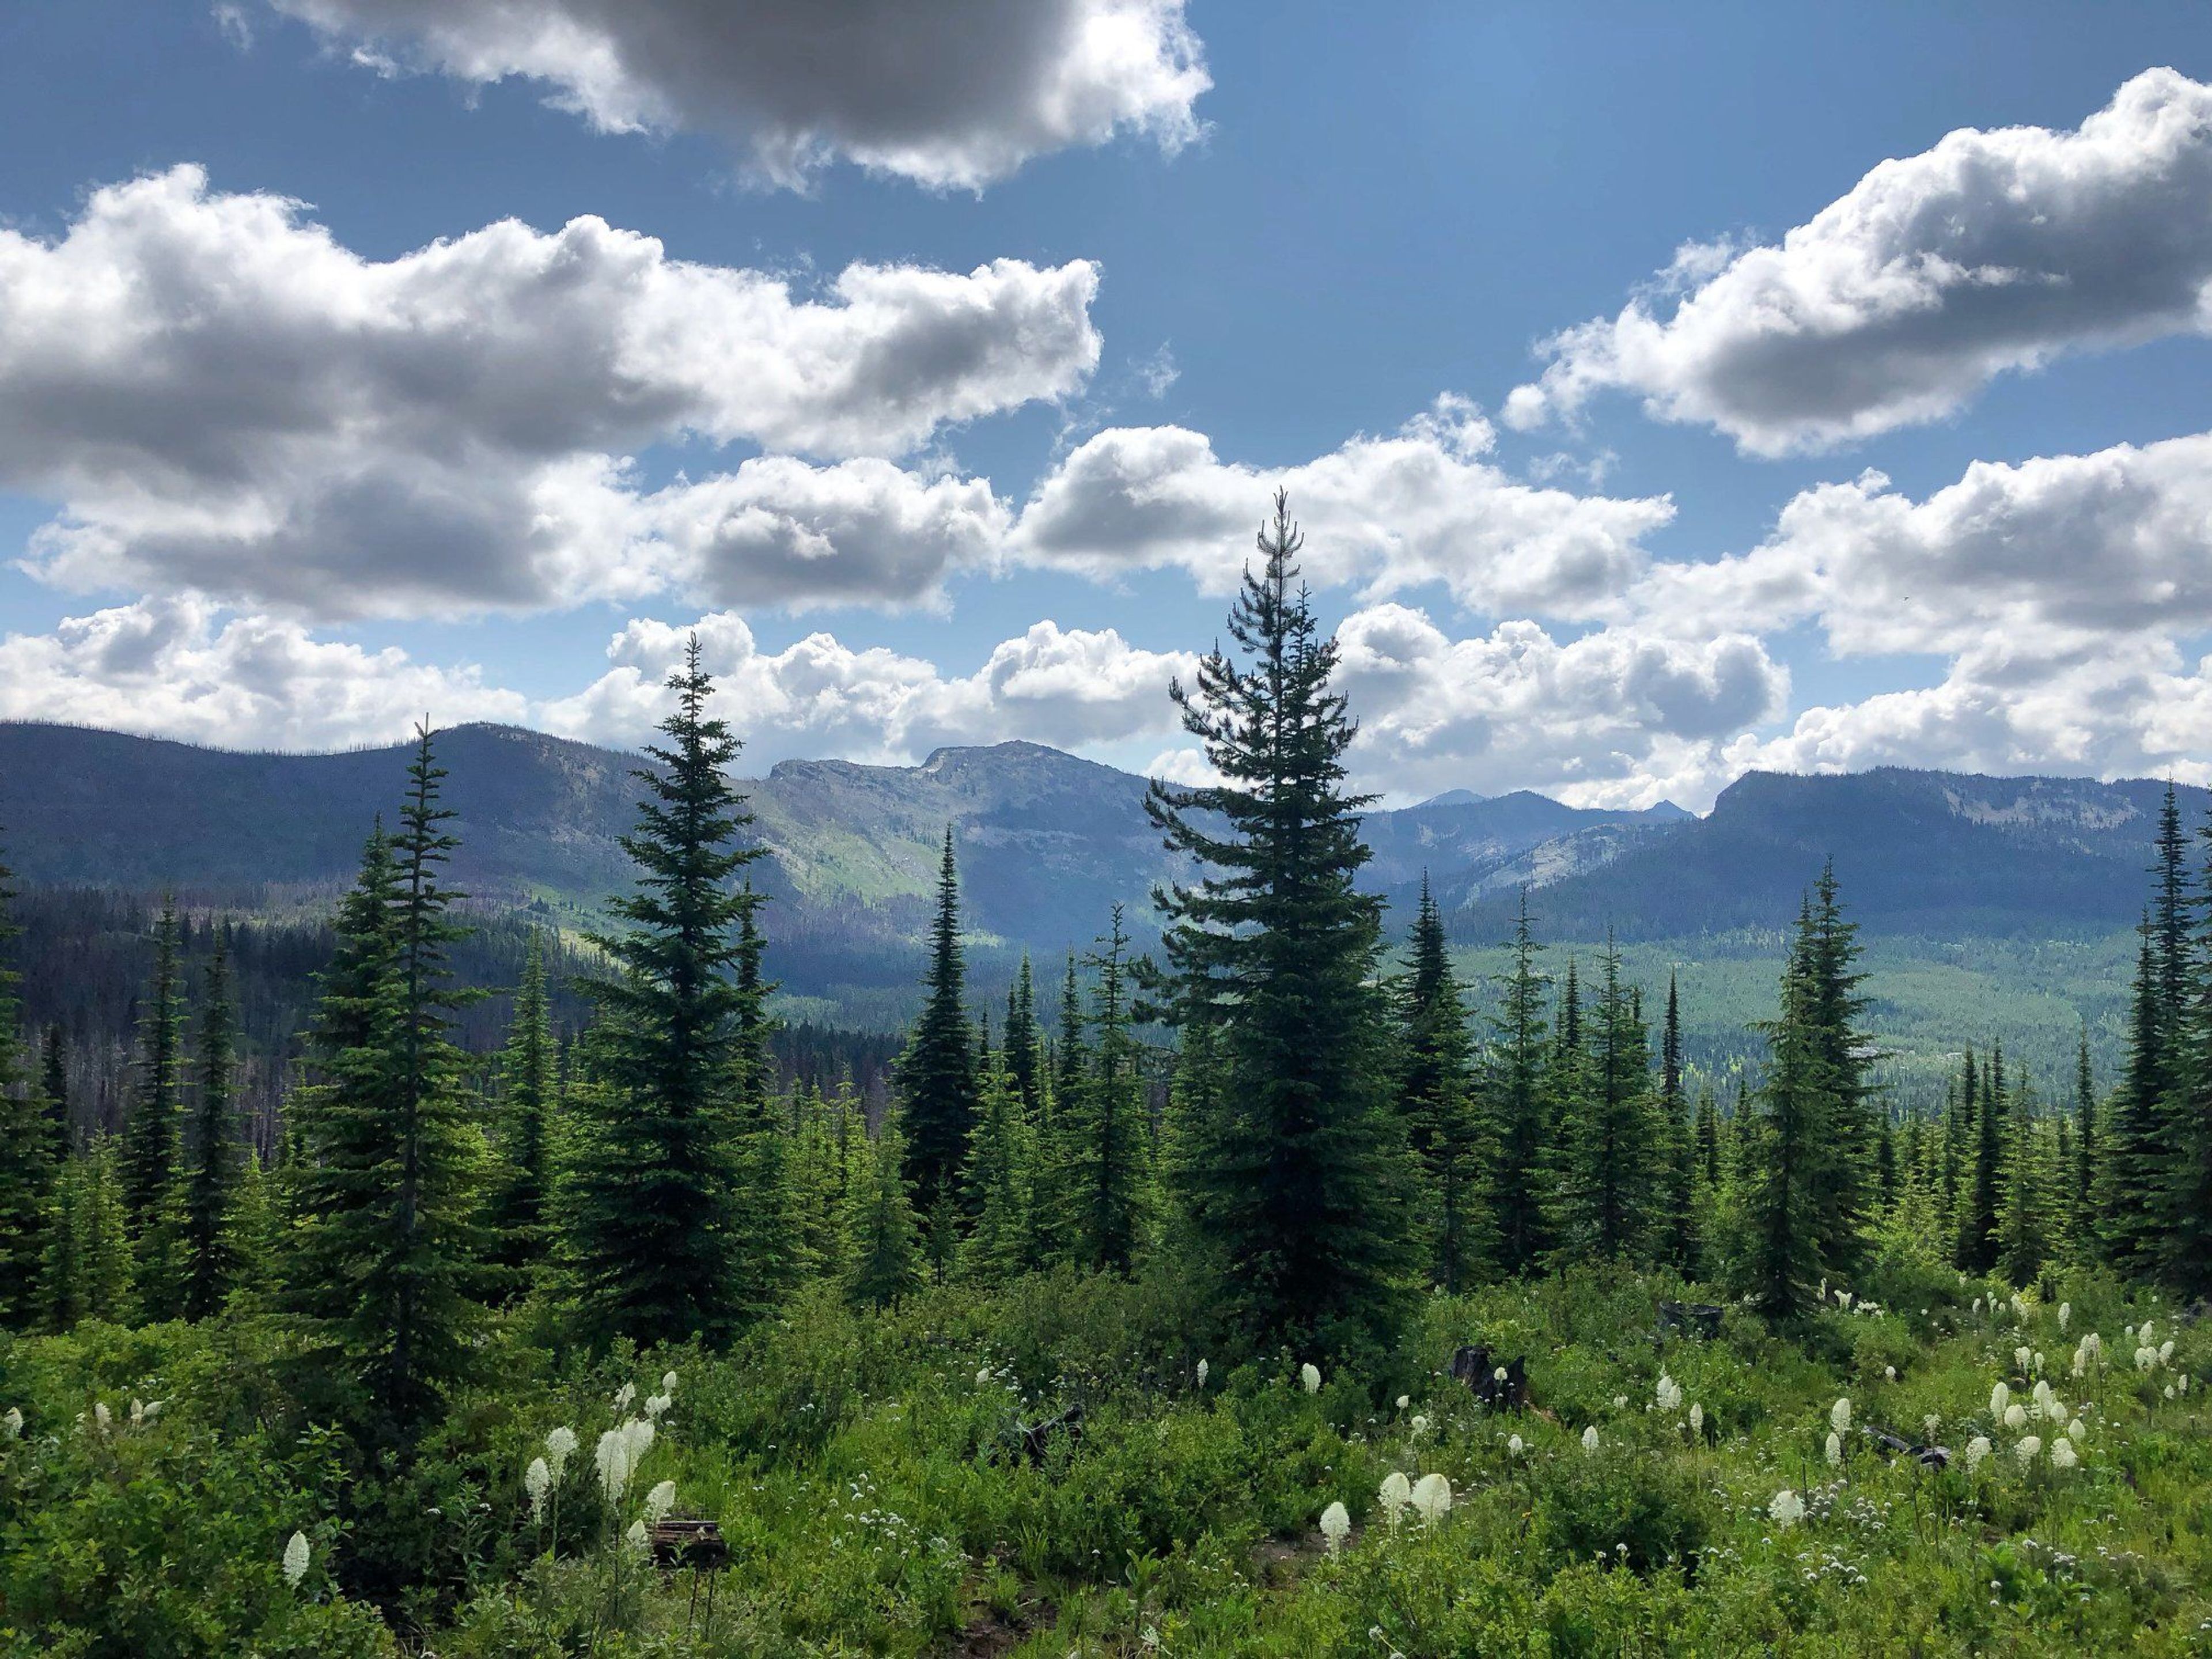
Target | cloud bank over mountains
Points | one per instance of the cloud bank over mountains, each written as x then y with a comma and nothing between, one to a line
250,435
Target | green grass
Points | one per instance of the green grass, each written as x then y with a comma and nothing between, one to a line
861,1467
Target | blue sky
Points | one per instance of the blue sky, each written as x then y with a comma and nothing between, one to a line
1304,226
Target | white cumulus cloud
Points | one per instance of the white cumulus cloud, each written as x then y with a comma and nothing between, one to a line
226,400
1992,251
950,94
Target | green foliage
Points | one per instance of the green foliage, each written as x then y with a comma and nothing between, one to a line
936,1075
515,1207
209,1179
28,1150
153,1136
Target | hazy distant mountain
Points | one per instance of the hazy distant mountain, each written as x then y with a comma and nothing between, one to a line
1049,841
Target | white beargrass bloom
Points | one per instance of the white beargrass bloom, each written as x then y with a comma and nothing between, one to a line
2075,1430
1620,1402
1395,1493
635,1536
2039,1361
2169,1391
1309,1374
101,1417
2144,1335
655,1404
1835,1448
1930,1423
1889,1373
1787,1508
2043,1401
2146,1358
1498,1375
2015,1415
659,1502
2062,1454
1839,1414
13,1422
1432,1497
2028,1449
668,1382
2165,1351
2020,1358
612,1457
1201,1375
2000,1396
537,1480
1404,1401
296,1558
1513,1444
1420,1424
1669,1393
1844,1300
1977,1449
1696,1419
558,1446
982,1376
1589,1438
624,1394
2080,1361
2065,1316
1336,1527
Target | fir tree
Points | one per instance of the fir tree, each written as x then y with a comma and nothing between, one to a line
651,1196
1614,1144
2023,1222
1515,1083
1680,1245
211,1175
936,1075
1299,1186
86,1269
998,1173
28,1149
1109,1172
1791,1140
153,1136
1708,1138
1981,1103
1436,1095
883,1241
384,1248
2084,1172
1024,1041
54,1091
1844,1170
515,1207
757,1142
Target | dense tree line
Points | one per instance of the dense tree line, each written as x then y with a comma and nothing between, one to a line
1310,1127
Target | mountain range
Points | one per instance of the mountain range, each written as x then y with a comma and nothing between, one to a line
1048,842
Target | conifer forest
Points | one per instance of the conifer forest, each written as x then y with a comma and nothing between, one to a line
1253,1280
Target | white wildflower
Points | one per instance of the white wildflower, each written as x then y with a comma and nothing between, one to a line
2020,1358
1201,1376
1696,1419
1420,1424
1889,1373
2065,1316
137,1413
2039,1360
2015,1415
1498,1375
2028,1449
2075,1430
2165,1351
655,1404
1336,1527
101,1417
624,1394
558,1446
2062,1454
13,1422
668,1382
1930,1423
1395,1494
1432,1497
659,1502
612,1460
1999,1397
1513,1445
1977,1449
296,1558
2169,1391
1844,1300
1787,1508
1309,1374
1620,1402
1839,1415
635,1536
1835,1448
537,1480
1589,1438
2144,1335
1669,1393
982,1376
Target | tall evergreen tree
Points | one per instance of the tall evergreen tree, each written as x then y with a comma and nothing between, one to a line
1614,1147
154,1135
2084,1172
54,1091
2140,1151
86,1270
1844,1169
515,1215
1679,1241
384,1248
1982,1104
1708,1138
651,1194
210,1174
1515,1084
1024,1041
1791,1140
883,1242
1299,1184
1436,1095
999,1173
2023,1216
1104,1126
28,1149
936,1075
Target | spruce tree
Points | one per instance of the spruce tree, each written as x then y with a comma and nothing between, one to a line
2023,1219
1299,1187
1708,1138
1436,1092
936,1074
655,1215
384,1255
1678,1242
154,1134
1024,1041
54,1091
1103,1129
1515,1086
1982,1104
28,1149
1791,1140
209,1182
1613,1178
2133,1149
85,1272
2086,1150
1000,1161
882,1240
515,1215
1844,1171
